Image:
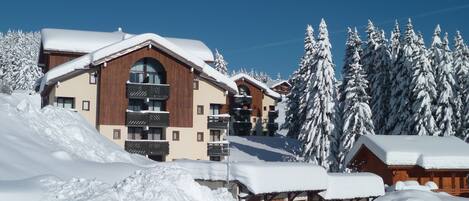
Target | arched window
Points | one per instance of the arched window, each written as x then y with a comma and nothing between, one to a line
147,70
243,90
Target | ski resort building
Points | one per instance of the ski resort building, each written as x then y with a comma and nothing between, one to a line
254,108
282,87
152,95
442,160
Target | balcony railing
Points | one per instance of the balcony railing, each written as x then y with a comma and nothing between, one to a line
218,148
147,147
240,100
146,90
147,118
273,114
217,122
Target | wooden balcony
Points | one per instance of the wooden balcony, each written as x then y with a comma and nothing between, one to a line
240,100
273,114
147,147
146,90
150,118
217,122
220,148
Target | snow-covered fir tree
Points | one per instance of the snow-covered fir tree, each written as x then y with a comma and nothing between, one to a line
318,130
399,110
423,93
18,60
356,115
296,105
380,83
461,66
446,108
220,64
368,56
395,41
353,43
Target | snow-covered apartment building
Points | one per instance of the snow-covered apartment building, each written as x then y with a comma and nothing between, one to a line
153,95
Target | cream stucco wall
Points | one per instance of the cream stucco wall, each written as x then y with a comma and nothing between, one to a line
266,102
79,88
188,146
108,132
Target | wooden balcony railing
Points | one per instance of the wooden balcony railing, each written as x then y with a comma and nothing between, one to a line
150,118
147,147
220,148
146,90
217,122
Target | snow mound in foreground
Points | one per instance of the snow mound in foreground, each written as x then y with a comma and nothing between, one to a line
418,195
54,154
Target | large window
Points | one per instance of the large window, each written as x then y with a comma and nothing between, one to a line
215,109
215,135
155,134
65,102
155,105
147,70
244,90
135,133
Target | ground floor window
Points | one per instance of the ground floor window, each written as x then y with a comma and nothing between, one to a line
200,136
215,135
135,133
116,134
155,134
65,102
175,135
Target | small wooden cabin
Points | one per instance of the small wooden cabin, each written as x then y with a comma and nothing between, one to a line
443,160
282,87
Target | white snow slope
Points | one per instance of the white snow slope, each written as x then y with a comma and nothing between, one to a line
54,154
417,195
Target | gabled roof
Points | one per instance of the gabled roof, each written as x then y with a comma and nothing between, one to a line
274,84
79,41
130,44
428,152
258,84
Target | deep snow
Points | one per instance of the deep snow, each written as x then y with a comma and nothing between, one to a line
54,154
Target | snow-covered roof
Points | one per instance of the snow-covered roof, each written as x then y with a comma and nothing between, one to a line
130,44
353,185
262,177
79,41
429,152
257,83
277,83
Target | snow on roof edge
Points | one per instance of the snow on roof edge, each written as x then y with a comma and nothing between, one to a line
101,55
268,91
352,186
279,83
424,152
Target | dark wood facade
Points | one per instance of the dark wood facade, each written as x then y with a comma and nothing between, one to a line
257,96
53,59
112,88
283,88
454,182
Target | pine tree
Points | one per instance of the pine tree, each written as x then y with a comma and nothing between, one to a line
296,113
423,93
369,52
318,130
446,103
356,117
220,64
380,83
395,42
461,66
353,42
18,60
399,102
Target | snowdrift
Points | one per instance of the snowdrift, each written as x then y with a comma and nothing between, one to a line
54,154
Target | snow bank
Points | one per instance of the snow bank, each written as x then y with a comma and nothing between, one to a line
54,154
259,84
352,186
263,148
261,177
416,195
429,152
117,49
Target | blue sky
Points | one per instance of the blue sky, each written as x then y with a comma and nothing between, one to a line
265,35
